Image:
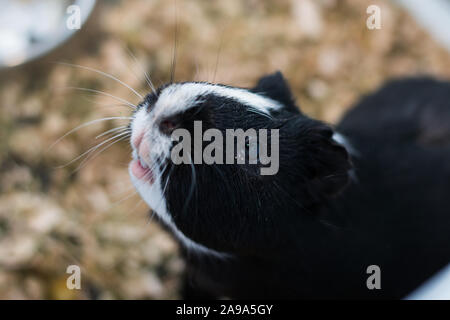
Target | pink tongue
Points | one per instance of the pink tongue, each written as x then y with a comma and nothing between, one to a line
140,172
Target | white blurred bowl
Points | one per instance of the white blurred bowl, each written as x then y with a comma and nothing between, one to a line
32,28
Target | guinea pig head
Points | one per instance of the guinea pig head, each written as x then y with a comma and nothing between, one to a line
226,168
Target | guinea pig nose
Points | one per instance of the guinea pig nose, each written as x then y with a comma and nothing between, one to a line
167,126
144,150
138,139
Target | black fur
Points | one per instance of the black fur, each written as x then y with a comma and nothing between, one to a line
310,231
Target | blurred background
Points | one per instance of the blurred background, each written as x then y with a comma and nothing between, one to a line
87,213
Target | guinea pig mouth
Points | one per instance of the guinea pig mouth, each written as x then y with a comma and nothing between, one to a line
141,170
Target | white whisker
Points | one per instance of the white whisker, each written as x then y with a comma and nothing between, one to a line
108,104
85,125
104,74
123,191
134,208
128,103
92,149
111,130
92,156
165,186
147,77
124,199
193,183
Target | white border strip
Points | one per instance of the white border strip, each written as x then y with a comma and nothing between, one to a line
433,15
437,288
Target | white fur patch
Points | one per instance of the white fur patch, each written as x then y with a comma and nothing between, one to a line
153,193
339,138
153,196
177,98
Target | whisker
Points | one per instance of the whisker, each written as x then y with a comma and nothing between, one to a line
111,130
218,56
134,208
123,199
108,104
92,149
147,77
192,188
92,156
116,203
165,185
151,217
197,69
85,125
104,74
174,56
121,192
128,103
168,176
256,111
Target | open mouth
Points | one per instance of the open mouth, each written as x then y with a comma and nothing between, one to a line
141,170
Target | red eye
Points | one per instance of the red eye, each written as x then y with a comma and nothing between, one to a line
167,126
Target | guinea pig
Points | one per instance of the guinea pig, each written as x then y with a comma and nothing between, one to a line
370,194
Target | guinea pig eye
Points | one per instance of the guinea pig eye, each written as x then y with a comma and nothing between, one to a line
167,126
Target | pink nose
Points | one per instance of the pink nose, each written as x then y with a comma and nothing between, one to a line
138,139
144,150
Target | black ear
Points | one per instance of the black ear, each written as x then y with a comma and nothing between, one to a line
331,166
319,165
275,87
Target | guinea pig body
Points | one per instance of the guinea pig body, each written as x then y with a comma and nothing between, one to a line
373,192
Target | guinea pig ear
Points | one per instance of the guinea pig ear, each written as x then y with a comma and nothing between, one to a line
332,165
274,86
322,164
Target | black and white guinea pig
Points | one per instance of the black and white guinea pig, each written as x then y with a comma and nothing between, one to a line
373,191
